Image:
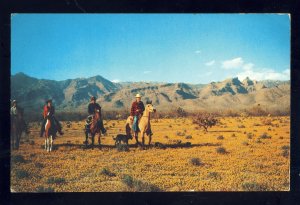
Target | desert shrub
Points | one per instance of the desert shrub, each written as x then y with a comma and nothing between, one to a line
256,124
281,137
241,126
214,175
122,147
159,145
257,111
195,161
245,143
205,120
38,165
233,135
128,180
285,147
221,150
188,137
249,135
167,137
220,137
286,153
107,172
265,136
267,122
253,186
22,174
141,186
54,180
18,159
138,185
43,189
32,155
180,133
181,112
258,141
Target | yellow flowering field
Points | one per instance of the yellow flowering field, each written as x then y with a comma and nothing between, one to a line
239,154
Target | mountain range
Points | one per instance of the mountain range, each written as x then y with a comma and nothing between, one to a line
74,94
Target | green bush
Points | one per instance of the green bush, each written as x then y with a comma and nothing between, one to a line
128,180
220,137
195,161
18,159
221,150
214,175
54,180
43,189
253,186
265,136
22,174
107,172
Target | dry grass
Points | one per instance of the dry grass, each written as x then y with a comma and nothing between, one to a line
251,163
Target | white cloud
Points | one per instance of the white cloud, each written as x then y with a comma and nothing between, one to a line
147,71
264,74
115,81
233,63
210,63
198,51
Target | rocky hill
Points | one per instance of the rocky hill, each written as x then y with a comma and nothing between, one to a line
74,94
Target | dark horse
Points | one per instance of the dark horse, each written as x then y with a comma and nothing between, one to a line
18,126
50,133
94,129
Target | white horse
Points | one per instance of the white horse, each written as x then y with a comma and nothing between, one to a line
143,123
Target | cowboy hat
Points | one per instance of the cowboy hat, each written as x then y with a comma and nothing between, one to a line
138,95
14,101
93,98
50,100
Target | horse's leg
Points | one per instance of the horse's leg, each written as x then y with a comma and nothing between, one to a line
93,139
136,138
143,139
47,144
86,138
99,136
150,138
51,143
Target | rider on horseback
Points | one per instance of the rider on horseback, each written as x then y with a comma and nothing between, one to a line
50,110
92,107
14,111
136,112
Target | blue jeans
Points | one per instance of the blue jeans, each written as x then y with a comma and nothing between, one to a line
135,124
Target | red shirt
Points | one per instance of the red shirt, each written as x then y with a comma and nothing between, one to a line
48,109
137,108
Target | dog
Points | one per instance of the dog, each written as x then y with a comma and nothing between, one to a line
122,138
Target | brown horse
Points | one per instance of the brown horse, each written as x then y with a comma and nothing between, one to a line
17,128
94,129
143,124
50,133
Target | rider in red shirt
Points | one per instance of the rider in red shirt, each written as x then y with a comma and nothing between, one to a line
49,110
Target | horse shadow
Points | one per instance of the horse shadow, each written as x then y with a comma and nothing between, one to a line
156,145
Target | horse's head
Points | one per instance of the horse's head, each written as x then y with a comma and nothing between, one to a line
149,107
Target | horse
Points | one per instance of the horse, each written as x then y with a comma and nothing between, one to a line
18,126
50,133
143,124
94,129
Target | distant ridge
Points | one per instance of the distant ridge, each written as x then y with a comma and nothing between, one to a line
74,94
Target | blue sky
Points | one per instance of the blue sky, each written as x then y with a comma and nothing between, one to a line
191,48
